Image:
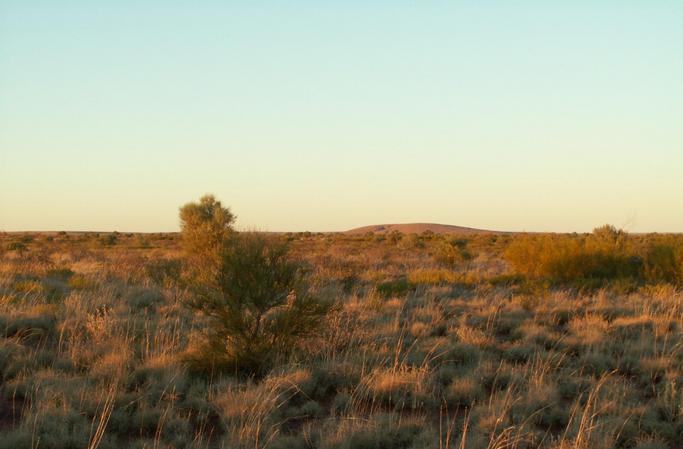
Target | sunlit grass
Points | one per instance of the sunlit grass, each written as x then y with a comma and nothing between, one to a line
470,355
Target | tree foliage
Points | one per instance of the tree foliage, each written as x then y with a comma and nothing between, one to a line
205,227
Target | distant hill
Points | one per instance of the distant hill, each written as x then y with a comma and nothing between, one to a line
418,228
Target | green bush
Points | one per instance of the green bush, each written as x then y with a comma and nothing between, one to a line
394,288
254,297
29,328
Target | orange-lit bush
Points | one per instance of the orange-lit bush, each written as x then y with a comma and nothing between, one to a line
605,254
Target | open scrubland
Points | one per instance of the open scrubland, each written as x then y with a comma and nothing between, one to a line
433,341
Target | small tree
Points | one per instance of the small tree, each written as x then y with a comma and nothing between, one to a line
254,297
205,227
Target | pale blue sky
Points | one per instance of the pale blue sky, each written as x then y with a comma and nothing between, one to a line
330,115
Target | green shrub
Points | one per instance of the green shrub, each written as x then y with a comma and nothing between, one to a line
29,328
254,297
394,288
260,306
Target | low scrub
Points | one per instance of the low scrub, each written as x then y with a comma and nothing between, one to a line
606,254
421,355
398,287
452,252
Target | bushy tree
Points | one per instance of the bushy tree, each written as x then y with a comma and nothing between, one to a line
254,297
205,227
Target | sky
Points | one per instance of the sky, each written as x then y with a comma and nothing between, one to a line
324,116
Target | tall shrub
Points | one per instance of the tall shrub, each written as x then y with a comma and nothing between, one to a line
253,296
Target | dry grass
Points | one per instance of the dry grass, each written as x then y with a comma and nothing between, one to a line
420,356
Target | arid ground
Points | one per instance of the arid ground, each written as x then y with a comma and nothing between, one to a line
438,341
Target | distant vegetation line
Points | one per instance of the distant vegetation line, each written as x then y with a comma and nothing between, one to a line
418,340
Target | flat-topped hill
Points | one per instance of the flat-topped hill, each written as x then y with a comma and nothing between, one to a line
408,228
